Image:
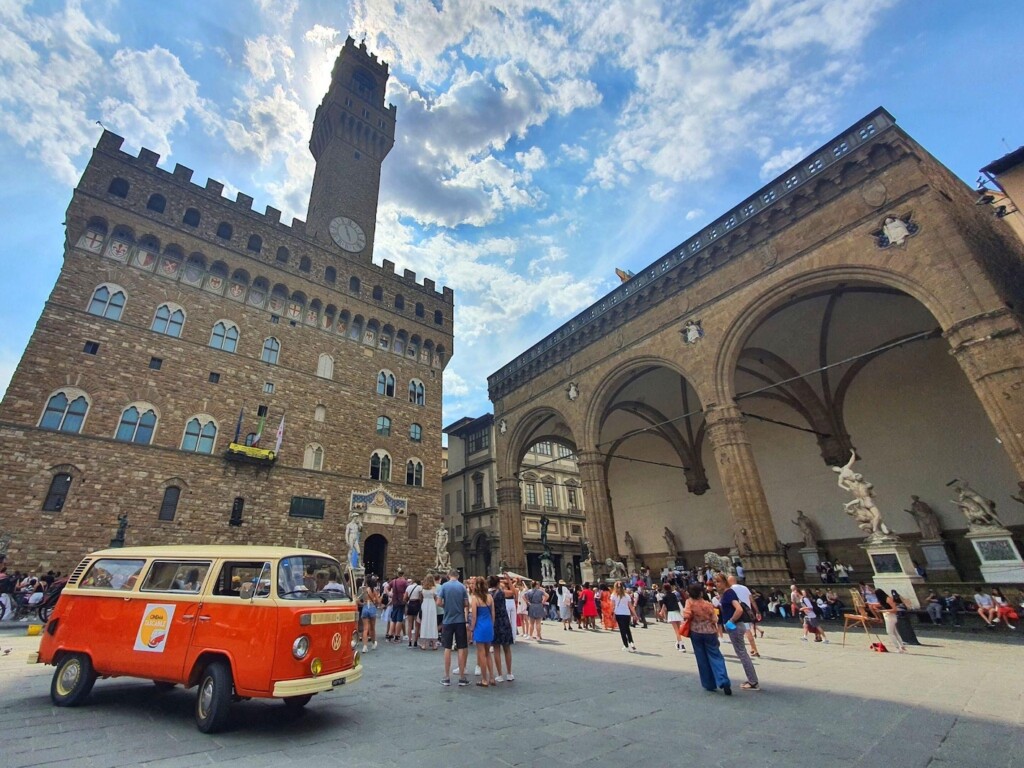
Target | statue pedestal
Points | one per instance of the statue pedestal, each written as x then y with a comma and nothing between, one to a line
812,557
587,571
936,560
894,569
631,565
1000,558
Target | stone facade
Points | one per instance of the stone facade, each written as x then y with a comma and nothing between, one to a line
338,322
825,226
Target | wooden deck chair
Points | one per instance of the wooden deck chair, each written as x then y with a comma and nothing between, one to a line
861,617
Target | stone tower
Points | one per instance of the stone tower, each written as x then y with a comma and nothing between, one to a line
353,131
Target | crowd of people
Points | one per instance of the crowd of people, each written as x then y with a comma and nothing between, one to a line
20,593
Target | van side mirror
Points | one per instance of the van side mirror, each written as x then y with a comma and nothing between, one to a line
246,591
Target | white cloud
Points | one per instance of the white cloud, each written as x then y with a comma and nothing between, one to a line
781,160
573,153
694,213
266,56
278,12
533,159
321,36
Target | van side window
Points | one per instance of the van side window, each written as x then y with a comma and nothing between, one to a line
244,579
111,573
176,576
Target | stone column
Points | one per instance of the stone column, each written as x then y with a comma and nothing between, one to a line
990,350
510,520
764,565
594,480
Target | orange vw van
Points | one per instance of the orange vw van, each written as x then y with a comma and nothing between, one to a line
238,622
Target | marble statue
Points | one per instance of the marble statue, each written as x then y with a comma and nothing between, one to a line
927,520
616,569
630,546
353,537
979,511
862,508
718,563
743,542
586,551
806,526
547,570
671,542
444,561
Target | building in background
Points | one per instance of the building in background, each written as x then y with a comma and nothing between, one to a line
549,486
183,322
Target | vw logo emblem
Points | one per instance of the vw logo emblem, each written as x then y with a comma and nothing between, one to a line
336,641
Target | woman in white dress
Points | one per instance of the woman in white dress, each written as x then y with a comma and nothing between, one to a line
428,616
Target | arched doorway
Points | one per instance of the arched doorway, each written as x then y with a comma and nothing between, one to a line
480,556
375,555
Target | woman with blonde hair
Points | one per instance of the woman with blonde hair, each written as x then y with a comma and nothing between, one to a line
625,615
428,616
369,600
481,626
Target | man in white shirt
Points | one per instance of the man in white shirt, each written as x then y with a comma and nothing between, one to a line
565,606
986,608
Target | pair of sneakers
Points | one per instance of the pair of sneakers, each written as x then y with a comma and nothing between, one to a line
463,682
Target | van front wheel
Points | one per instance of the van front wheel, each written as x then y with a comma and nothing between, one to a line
214,697
297,702
72,680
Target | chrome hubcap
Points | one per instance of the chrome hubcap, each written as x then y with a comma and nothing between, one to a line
69,676
205,698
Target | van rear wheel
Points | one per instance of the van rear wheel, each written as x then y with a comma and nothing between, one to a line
72,681
214,697
297,702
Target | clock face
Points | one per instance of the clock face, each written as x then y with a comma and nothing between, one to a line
348,234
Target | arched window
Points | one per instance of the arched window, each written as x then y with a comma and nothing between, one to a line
255,244
414,472
438,317
380,466
353,284
320,414
378,293
64,413
386,383
415,432
156,203
331,275
224,336
224,231
420,312
305,264
107,301
384,426
137,425
399,301
416,392
271,351
282,255
58,493
169,320
313,457
169,504
149,243
325,366
118,188
200,435
191,217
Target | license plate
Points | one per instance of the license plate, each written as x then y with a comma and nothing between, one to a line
339,681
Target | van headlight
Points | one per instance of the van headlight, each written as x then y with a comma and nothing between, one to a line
300,647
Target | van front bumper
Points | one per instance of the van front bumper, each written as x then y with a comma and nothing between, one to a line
307,685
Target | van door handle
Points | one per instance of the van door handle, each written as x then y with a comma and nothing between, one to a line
204,618
188,617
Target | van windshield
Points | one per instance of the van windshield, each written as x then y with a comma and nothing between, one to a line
309,577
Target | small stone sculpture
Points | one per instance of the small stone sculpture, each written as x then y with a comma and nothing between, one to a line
979,511
927,520
630,546
671,542
806,526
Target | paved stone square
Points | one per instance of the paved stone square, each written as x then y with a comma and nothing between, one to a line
577,699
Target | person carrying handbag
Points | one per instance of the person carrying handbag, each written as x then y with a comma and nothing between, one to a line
625,614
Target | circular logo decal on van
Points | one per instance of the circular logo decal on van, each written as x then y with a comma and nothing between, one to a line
154,627
336,641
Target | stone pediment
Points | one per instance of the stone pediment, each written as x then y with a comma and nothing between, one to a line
378,506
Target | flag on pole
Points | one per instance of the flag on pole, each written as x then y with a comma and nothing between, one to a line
280,435
259,431
238,426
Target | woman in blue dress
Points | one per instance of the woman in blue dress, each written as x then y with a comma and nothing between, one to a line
481,624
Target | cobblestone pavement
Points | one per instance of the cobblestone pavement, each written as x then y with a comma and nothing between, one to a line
577,698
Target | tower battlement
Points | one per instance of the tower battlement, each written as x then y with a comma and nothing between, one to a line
110,145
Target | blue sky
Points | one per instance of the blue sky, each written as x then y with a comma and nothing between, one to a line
540,144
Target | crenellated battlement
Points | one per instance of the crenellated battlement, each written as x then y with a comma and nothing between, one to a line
110,144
